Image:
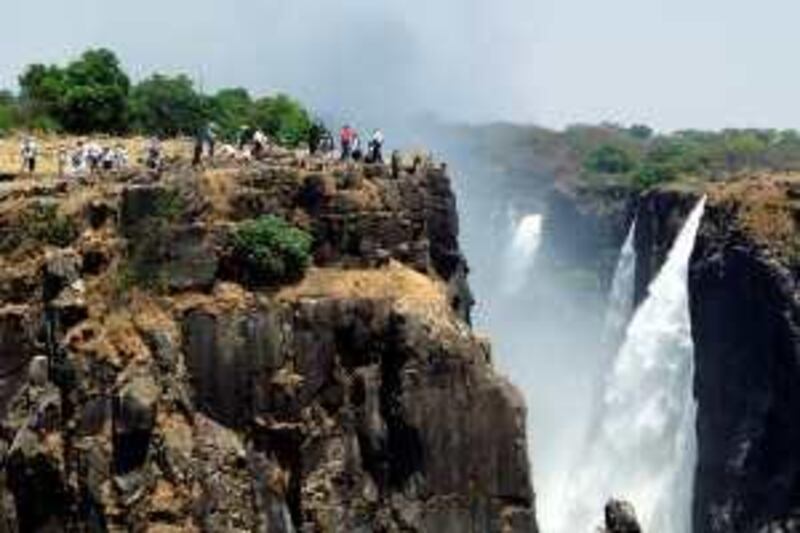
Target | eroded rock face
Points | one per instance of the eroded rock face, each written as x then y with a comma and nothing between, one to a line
745,324
195,404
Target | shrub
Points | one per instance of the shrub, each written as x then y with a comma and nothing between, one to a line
269,250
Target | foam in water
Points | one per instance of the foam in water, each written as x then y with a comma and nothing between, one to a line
644,447
522,252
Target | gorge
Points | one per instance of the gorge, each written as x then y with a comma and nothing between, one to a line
553,339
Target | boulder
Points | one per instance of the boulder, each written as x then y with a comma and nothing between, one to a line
621,518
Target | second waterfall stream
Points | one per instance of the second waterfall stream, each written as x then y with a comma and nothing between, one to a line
643,447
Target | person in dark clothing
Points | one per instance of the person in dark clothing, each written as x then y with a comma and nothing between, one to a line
198,150
395,164
315,133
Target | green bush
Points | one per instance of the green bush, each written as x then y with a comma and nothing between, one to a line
269,250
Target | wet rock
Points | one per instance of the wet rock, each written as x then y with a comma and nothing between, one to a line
620,517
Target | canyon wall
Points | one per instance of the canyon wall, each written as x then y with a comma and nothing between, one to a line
148,386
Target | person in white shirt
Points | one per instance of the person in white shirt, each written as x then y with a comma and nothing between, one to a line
120,157
77,159
29,151
376,147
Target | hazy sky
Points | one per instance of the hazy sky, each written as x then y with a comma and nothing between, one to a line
671,63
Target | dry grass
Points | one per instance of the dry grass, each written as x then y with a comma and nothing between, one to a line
765,209
49,146
394,282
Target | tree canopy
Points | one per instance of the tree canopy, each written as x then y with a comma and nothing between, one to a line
94,94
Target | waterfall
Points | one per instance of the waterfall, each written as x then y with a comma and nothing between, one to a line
522,252
620,299
644,447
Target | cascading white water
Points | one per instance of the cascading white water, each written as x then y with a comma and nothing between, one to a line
644,448
620,299
522,252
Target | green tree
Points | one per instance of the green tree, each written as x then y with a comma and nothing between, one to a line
610,159
95,97
167,106
231,109
743,149
282,118
640,131
9,111
41,94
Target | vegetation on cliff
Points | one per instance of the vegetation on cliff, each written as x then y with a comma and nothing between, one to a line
636,156
94,94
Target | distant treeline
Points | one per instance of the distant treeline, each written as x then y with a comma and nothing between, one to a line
93,94
638,156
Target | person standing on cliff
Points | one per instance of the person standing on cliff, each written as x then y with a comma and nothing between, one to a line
346,140
376,147
29,151
315,133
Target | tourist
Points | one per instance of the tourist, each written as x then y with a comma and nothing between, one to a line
153,155
376,147
94,154
120,157
355,146
395,164
345,141
78,159
315,134
29,151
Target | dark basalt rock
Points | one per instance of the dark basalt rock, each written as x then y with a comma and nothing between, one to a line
746,327
621,518
195,403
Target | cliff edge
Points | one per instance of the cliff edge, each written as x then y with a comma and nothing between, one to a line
147,386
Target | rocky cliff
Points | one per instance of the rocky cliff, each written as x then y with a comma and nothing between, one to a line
147,386
744,307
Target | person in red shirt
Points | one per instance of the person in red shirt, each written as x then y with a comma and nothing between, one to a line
346,141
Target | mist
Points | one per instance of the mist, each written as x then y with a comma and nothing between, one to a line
676,64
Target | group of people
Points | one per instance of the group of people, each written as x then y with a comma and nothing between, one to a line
350,143
84,157
89,157
251,143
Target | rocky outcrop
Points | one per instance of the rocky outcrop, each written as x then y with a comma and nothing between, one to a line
144,389
745,319
744,308
620,517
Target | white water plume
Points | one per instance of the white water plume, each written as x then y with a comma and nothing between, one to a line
620,299
644,446
521,253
